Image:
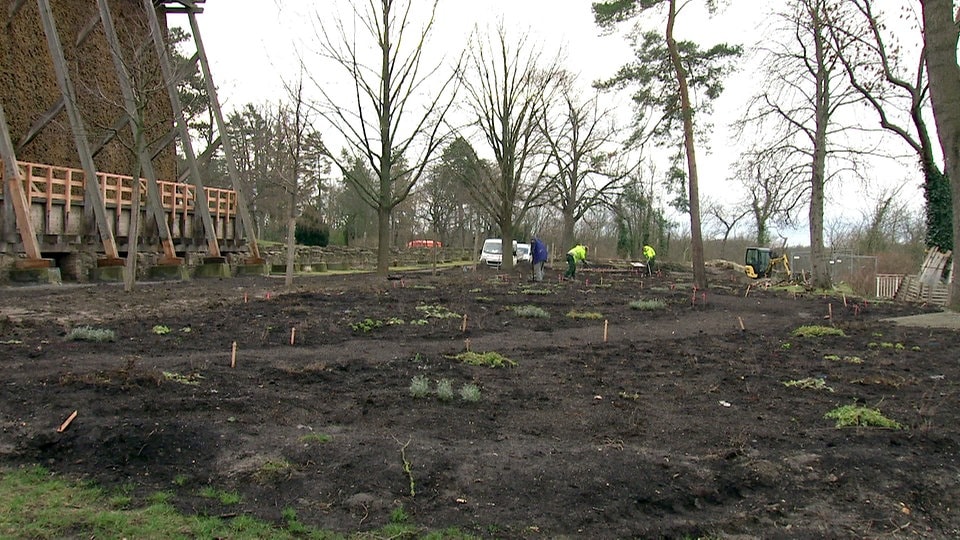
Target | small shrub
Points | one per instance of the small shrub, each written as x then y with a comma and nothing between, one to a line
490,359
395,321
533,312
444,390
419,386
366,325
648,305
809,383
191,380
89,333
399,515
437,312
574,314
160,329
470,392
535,292
856,416
817,331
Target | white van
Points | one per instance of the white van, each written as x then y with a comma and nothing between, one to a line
492,253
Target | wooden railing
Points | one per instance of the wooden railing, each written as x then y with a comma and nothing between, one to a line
65,186
887,285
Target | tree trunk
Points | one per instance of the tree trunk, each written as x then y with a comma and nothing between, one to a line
569,224
696,238
940,39
291,239
818,260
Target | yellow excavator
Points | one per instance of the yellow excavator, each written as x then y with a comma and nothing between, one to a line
763,263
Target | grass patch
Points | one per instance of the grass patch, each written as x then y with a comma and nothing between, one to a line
272,471
489,359
817,331
37,504
574,314
809,383
225,497
89,333
533,312
315,437
847,359
483,299
366,325
856,416
648,305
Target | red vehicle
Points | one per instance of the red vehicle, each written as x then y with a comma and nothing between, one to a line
424,244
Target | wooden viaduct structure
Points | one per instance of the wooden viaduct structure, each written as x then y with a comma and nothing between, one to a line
50,209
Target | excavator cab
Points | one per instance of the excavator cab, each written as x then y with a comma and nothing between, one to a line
756,262
762,263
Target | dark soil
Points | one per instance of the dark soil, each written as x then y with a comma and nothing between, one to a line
678,425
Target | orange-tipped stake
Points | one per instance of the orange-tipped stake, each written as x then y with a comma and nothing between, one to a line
244,298
466,343
293,334
66,423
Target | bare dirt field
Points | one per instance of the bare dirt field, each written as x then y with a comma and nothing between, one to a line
678,425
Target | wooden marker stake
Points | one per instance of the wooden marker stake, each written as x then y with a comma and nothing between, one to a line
66,423
463,325
747,293
244,298
605,321
233,355
830,311
466,343
742,327
293,334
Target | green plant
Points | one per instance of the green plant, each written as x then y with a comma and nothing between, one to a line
366,325
407,466
399,515
531,312
535,292
648,305
160,497
634,396
785,346
419,386
394,321
490,359
315,437
424,287
180,480
809,383
817,331
437,312
191,380
89,333
470,392
160,330
483,299
574,314
857,416
444,390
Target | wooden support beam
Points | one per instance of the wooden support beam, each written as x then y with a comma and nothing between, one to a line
13,187
92,191
202,206
131,107
202,160
84,32
243,213
111,134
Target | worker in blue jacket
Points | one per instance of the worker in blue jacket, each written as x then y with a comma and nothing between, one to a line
539,257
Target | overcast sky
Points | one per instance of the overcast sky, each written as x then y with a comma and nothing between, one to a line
253,45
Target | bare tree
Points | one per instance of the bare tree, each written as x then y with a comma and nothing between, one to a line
380,122
727,219
583,170
798,107
775,187
940,40
892,84
295,130
508,88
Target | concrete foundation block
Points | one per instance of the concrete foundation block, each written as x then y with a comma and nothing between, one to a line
107,274
252,269
169,272
36,276
212,270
